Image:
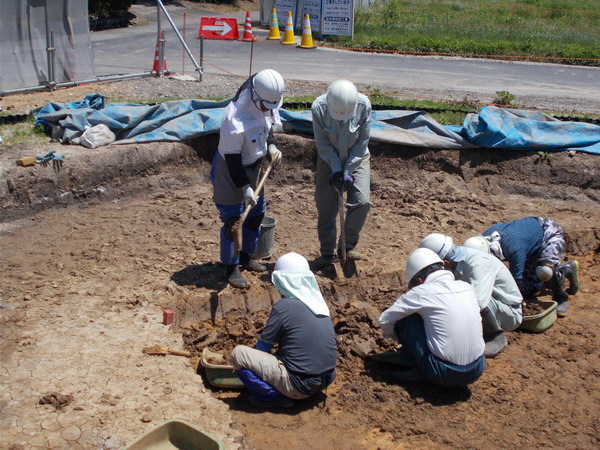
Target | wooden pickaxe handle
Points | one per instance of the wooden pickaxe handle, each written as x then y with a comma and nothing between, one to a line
237,227
342,238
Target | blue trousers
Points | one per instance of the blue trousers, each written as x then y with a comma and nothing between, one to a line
411,334
229,214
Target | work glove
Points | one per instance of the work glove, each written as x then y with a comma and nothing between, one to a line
274,154
341,181
249,197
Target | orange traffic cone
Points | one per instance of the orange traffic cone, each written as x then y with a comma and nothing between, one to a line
288,35
274,30
248,29
307,41
155,67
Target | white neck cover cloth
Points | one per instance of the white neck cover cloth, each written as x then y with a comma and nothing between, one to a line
303,286
495,245
238,112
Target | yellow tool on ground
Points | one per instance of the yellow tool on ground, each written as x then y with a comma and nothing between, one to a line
163,351
27,161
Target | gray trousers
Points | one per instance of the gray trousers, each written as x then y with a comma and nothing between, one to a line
509,316
267,367
357,206
552,252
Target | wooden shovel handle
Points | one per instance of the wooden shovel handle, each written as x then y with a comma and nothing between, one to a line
342,239
179,353
237,227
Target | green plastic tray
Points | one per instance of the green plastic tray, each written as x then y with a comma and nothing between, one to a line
219,375
542,321
175,434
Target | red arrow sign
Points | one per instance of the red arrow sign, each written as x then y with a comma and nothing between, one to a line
219,28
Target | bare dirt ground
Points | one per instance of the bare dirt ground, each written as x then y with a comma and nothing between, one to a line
92,254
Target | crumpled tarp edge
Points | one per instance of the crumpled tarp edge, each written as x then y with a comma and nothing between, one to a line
174,121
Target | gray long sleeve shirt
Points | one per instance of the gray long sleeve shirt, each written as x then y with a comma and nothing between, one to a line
342,143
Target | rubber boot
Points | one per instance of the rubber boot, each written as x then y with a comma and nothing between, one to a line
251,264
571,270
557,286
353,254
235,277
321,262
493,334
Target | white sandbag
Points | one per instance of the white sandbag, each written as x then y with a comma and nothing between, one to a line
97,136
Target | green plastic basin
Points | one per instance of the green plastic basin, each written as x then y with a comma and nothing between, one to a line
175,434
219,375
542,321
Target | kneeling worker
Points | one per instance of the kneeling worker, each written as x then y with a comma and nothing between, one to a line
534,248
495,288
300,326
438,324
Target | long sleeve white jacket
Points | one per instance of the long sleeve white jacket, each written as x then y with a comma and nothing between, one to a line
450,313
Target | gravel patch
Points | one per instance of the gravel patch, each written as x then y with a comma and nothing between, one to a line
217,87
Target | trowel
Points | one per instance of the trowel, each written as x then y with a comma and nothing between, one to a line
163,351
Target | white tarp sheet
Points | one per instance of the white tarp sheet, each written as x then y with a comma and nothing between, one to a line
23,56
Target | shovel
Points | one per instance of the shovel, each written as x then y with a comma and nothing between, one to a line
237,226
348,265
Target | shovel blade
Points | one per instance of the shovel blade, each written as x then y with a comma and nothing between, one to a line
348,267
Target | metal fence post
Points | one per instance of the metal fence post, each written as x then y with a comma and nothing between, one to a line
201,71
50,51
161,55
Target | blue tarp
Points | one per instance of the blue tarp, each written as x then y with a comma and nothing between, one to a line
186,119
514,129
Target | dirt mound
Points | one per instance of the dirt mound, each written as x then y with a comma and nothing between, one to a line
415,192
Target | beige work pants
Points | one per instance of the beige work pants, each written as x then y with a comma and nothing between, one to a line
267,367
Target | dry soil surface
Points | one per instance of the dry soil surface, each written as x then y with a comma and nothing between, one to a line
93,253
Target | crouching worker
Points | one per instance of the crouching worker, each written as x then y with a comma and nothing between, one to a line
438,324
495,288
534,248
300,327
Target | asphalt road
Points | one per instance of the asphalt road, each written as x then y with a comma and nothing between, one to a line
131,50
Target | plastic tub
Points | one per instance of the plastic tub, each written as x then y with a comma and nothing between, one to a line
264,248
175,434
219,375
542,321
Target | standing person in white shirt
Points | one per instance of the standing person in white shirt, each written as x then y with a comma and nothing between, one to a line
246,138
438,324
497,291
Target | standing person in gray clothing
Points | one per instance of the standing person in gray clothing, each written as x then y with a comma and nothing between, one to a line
342,128
300,327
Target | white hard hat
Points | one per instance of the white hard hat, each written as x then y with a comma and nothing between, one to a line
544,273
293,262
268,86
342,98
438,243
478,243
418,260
